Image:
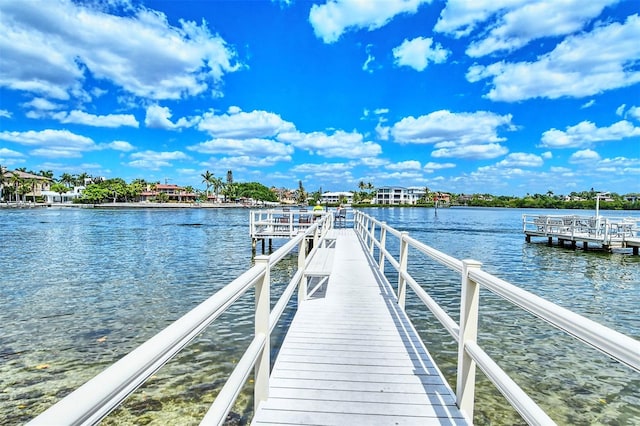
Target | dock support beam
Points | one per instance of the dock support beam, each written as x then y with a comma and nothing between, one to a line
263,307
466,375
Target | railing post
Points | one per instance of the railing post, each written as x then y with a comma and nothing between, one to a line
466,375
383,242
373,237
261,371
404,254
302,256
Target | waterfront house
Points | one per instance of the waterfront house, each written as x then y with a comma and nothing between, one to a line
336,197
172,192
13,180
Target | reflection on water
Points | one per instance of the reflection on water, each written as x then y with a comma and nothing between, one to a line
81,288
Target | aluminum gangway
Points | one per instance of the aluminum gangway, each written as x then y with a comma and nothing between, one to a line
351,355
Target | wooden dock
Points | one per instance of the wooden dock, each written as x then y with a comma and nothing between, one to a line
352,356
606,233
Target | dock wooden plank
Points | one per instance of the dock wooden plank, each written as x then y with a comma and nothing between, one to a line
353,357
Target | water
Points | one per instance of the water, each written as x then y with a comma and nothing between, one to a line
80,288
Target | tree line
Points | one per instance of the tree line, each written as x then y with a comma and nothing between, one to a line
99,190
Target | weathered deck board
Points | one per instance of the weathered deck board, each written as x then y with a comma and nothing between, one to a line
351,356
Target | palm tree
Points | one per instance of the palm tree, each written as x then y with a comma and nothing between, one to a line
47,174
206,179
81,178
66,179
3,180
218,184
16,181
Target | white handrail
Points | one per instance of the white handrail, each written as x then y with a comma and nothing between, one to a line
618,346
95,399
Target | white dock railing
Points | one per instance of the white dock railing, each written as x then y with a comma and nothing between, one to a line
618,346
95,399
605,229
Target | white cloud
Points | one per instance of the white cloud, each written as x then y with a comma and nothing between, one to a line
521,159
582,65
339,144
588,104
42,104
431,166
584,156
121,146
154,160
586,134
158,117
244,125
242,162
5,152
48,50
254,147
547,155
52,143
417,53
474,151
404,165
5,114
620,109
463,135
460,17
522,23
333,18
634,112
109,120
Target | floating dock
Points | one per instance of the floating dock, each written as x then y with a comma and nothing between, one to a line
605,232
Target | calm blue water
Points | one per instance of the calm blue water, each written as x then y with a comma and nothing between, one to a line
80,288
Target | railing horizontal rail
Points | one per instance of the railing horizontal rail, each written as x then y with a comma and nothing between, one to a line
99,396
524,405
218,411
618,346
442,316
614,344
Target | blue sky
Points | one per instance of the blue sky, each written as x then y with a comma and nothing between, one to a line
487,96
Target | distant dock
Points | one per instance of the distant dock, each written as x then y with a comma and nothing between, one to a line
608,233
286,223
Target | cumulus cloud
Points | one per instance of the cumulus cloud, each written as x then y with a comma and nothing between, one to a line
158,117
335,17
52,143
339,144
584,156
109,120
5,114
582,65
477,152
586,133
417,53
431,166
521,159
404,165
254,147
121,146
5,152
244,125
141,53
463,135
516,26
154,160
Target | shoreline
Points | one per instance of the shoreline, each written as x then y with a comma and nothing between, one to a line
132,205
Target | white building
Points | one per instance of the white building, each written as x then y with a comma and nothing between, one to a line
336,197
396,195
51,197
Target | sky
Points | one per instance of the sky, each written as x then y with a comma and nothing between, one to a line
506,97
